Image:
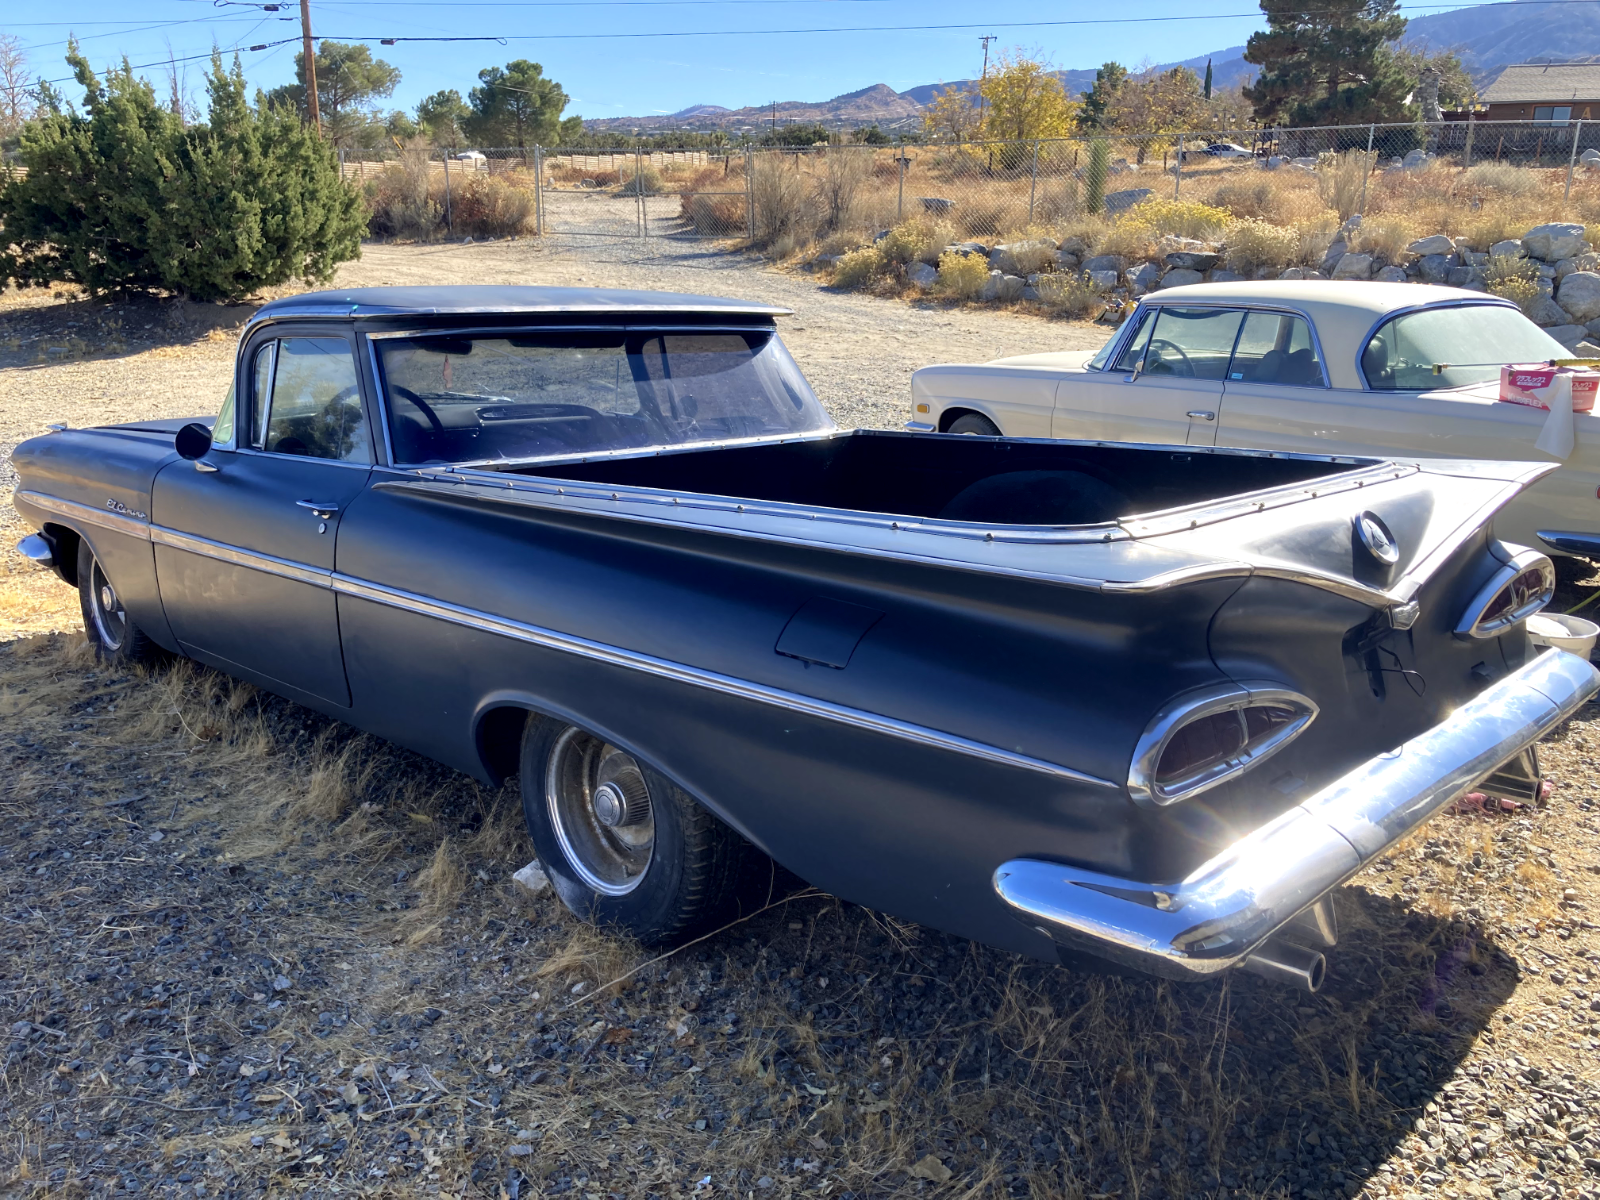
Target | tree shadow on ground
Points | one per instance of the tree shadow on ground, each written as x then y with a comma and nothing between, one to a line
41,328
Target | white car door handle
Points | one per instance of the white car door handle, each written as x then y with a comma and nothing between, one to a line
1198,415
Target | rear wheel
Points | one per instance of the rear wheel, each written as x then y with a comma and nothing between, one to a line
622,844
116,639
975,424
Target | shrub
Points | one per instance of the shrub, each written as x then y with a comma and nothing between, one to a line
782,198
492,206
1246,200
1090,228
122,197
1385,237
1183,218
401,203
859,268
1250,244
962,276
1513,278
1070,294
646,179
1342,178
1500,177
1131,237
1315,237
916,241
843,172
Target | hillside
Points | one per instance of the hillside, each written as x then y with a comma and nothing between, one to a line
1487,37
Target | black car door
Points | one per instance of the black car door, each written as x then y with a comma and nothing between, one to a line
245,536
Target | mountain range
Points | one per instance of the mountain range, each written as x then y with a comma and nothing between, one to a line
1486,38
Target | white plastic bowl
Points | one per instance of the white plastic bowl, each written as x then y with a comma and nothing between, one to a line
1573,634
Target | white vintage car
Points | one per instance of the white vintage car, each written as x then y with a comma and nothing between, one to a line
1389,370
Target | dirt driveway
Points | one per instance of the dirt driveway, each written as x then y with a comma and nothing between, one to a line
246,951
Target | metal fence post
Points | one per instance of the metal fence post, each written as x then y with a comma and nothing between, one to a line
448,223
1572,159
538,190
1033,182
900,199
750,191
1372,132
638,190
1177,169
1466,154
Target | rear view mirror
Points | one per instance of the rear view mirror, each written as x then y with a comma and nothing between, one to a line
192,441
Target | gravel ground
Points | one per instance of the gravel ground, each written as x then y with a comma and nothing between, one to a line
247,951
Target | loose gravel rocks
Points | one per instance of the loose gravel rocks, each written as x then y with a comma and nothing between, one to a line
247,951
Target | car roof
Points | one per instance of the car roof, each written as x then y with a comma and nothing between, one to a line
485,299
1343,311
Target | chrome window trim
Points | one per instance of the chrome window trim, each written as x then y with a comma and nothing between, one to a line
1250,306
380,396
355,362
711,680
306,458
269,347
224,552
1472,624
1488,301
352,311
88,514
378,335
1121,335
1194,706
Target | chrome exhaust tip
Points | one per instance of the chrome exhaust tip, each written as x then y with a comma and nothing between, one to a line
1285,962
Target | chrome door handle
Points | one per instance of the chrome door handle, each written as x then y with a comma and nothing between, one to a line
1198,415
320,507
204,467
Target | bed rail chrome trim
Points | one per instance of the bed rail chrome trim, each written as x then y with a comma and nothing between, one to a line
1214,918
223,552
682,673
88,514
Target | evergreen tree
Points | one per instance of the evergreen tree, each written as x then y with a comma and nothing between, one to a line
517,106
1099,100
121,197
1327,64
349,80
442,117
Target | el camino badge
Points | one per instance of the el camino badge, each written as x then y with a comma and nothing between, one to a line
121,509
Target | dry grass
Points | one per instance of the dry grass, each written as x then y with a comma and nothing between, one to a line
1386,237
1070,295
961,276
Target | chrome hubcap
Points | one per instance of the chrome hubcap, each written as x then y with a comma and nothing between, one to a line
110,619
600,811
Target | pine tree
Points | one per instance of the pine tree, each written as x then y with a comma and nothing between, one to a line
1099,100
1325,64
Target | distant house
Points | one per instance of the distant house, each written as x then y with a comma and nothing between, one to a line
1547,93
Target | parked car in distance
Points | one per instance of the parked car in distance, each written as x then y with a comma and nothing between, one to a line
1217,150
1078,700
1394,370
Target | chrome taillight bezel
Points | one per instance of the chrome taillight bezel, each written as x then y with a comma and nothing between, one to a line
1143,786
1477,623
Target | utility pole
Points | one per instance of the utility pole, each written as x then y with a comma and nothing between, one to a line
311,65
985,39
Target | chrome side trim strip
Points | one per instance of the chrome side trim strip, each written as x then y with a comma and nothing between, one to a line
222,552
681,673
88,514
1215,917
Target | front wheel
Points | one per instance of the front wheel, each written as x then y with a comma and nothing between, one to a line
111,631
975,424
622,844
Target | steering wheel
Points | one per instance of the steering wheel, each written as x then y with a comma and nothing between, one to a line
1188,367
408,395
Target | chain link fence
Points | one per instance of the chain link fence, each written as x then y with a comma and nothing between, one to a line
1440,172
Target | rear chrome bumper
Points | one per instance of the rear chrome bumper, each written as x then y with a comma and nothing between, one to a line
1213,919
39,550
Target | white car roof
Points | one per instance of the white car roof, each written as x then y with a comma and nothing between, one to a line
1343,311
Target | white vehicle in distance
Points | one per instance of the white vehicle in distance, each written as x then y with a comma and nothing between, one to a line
1386,370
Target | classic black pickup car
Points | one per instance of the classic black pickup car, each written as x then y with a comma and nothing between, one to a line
1146,705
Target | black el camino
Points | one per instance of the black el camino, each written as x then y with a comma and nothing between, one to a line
1142,705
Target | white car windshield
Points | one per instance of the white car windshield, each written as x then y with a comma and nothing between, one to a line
1453,347
501,397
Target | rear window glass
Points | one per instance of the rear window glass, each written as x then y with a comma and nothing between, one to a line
1453,347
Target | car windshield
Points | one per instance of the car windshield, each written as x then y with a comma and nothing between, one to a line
513,396
1453,347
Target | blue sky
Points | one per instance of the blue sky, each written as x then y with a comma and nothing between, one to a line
728,52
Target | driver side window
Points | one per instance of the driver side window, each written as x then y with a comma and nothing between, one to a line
315,406
1193,343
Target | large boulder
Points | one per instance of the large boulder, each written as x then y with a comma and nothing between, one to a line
1066,260
1223,275
1510,248
1579,295
1143,278
1292,273
1002,287
1336,251
1464,276
1120,202
1434,268
1103,281
1568,335
1553,242
1181,277
1578,262
937,206
1353,266
1415,160
1438,243
1590,158
1074,245
1193,260
1545,311
1391,275
1021,258
1103,262
921,275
